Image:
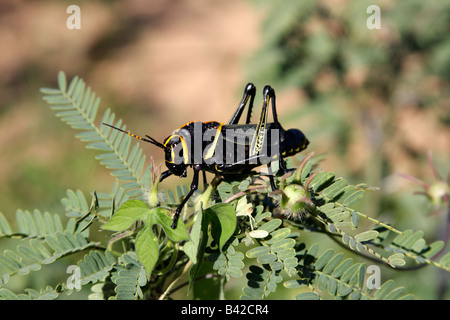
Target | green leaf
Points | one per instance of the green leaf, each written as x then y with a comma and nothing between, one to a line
146,242
434,248
333,263
321,180
366,236
348,274
257,252
271,225
307,296
197,233
258,234
335,189
7,294
4,225
384,289
223,219
355,219
282,244
323,259
295,283
243,208
278,234
412,239
127,214
160,215
395,294
343,289
62,82
396,260
195,248
445,260
332,286
268,258
353,197
147,249
322,282
341,268
419,245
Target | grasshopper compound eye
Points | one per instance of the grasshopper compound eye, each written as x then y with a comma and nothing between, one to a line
229,149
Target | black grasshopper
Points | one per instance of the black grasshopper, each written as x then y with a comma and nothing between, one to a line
231,148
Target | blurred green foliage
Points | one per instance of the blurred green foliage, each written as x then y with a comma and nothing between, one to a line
356,82
375,101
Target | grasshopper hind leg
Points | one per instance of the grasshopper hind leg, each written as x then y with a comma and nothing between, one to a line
249,93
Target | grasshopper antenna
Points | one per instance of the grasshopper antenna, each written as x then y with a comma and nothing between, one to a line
150,139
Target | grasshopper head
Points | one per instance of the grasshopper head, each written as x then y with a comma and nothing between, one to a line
176,155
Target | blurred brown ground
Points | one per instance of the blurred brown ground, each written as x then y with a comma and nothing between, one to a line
156,64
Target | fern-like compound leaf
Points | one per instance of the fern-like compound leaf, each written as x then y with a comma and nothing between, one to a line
128,277
95,266
77,106
48,293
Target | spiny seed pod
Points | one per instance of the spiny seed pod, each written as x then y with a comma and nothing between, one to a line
293,201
